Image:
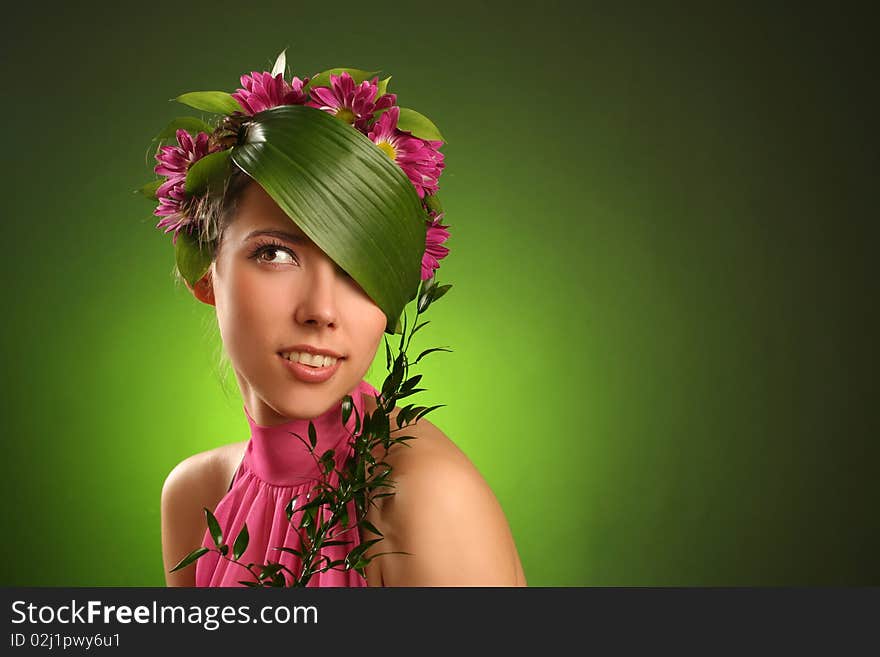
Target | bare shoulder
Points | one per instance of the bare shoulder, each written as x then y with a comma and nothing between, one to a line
445,515
197,482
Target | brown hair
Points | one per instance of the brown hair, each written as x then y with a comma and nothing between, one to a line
216,212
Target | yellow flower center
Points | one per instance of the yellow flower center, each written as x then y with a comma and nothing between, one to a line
388,149
345,114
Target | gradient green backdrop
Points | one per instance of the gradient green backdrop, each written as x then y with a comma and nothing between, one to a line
663,315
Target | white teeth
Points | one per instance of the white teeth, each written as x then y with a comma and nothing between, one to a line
309,359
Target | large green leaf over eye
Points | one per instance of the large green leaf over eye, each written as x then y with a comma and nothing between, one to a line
345,193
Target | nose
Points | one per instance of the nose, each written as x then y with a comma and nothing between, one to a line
317,306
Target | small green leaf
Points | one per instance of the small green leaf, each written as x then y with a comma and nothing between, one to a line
214,526
188,559
402,333
208,173
418,124
367,524
192,260
428,410
322,79
428,321
217,102
241,542
382,87
346,408
292,551
224,549
411,383
149,190
191,124
313,436
289,509
402,414
408,393
433,202
439,292
387,355
428,351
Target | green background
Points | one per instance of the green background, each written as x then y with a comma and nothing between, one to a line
664,312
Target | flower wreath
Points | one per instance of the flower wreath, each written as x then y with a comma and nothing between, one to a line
354,96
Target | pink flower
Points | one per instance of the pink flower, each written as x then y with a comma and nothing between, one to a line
262,91
352,103
420,159
434,252
174,162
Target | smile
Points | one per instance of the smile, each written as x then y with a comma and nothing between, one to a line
311,360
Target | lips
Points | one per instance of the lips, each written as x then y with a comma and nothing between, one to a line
311,349
309,374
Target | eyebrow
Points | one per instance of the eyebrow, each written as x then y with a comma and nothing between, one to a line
293,238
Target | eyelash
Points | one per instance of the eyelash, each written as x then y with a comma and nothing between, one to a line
272,245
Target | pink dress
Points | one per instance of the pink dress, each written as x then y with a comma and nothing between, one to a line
277,467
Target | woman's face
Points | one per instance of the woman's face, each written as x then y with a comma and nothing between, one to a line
272,292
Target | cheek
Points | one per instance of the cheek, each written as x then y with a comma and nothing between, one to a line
246,308
366,325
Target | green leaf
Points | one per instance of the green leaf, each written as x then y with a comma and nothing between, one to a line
402,333
322,79
433,202
209,173
313,436
439,292
367,524
217,102
387,355
428,321
346,408
411,383
428,351
428,410
407,393
327,177
290,508
149,190
280,64
402,414
241,542
214,526
192,260
191,124
188,559
382,87
418,124
292,551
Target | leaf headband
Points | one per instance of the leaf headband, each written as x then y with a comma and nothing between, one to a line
358,174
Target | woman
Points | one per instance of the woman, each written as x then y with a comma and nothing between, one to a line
301,332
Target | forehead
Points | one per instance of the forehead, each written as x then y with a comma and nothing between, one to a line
257,211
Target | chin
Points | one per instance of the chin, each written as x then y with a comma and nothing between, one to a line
308,401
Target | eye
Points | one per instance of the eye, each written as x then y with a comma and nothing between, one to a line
272,249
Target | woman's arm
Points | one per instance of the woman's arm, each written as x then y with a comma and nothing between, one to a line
444,514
